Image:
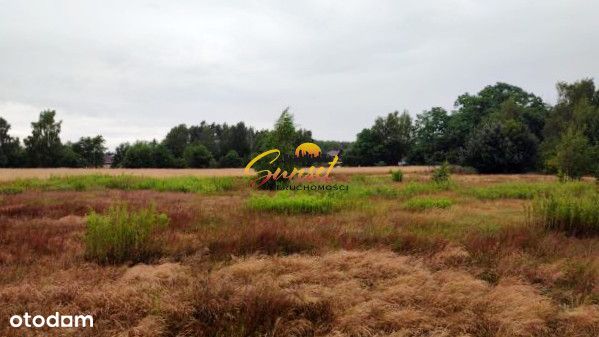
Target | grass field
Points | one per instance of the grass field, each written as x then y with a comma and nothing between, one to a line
200,253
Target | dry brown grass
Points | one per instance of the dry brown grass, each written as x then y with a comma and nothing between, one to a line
475,269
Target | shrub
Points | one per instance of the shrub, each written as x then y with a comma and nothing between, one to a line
397,175
441,174
423,203
121,235
574,213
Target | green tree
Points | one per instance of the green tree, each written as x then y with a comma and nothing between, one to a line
44,148
91,150
388,141
366,150
578,108
501,147
207,135
574,155
70,158
473,110
231,159
11,153
163,158
197,156
430,144
177,140
119,155
138,155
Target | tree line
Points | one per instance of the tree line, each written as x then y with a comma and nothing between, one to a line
500,129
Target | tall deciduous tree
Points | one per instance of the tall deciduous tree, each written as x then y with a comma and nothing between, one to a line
430,144
11,153
91,150
44,148
177,139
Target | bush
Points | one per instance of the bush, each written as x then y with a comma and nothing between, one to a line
397,175
575,213
423,203
122,235
441,174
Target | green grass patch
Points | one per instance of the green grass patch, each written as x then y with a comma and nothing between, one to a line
508,191
523,190
289,203
122,235
573,212
122,182
424,203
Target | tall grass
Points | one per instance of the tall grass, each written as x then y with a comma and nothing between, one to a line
122,182
524,190
397,175
573,213
122,235
424,203
292,203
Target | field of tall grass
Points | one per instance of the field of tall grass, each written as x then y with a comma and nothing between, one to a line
466,255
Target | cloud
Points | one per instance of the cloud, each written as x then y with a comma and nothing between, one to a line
133,69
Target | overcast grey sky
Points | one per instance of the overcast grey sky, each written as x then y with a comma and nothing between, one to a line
132,69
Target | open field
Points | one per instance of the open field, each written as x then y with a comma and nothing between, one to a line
181,253
23,173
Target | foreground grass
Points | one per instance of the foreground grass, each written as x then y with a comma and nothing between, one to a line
122,182
573,212
123,235
370,267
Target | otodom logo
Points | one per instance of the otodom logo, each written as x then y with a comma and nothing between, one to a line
305,151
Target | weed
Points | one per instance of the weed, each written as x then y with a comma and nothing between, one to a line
442,173
397,175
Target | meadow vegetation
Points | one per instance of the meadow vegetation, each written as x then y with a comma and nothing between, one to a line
121,182
475,255
123,235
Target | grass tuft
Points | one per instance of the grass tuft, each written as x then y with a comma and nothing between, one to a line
121,235
397,175
576,214
424,203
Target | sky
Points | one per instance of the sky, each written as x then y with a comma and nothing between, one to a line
133,69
